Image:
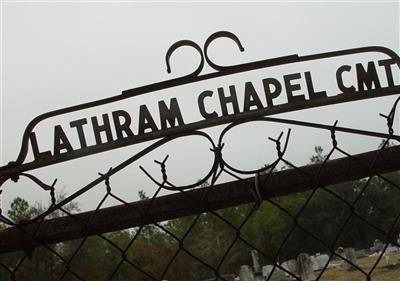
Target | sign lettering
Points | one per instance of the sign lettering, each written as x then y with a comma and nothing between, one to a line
214,104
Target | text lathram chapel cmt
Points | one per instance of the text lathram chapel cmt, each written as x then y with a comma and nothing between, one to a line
127,126
237,101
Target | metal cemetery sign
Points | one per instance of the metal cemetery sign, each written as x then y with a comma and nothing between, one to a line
90,132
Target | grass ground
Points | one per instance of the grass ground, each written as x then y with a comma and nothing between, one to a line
383,271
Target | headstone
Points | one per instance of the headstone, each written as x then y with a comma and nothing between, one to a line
386,255
391,249
266,270
314,263
378,246
256,261
320,261
305,268
284,265
350,254
340,250
246,273
292,268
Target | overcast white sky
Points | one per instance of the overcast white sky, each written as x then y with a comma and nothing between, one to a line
61,54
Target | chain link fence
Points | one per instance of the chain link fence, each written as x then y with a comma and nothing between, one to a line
334,219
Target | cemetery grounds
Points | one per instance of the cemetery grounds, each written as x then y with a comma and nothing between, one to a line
382,272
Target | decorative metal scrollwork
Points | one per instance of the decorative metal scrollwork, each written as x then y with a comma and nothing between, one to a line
183,43
203,53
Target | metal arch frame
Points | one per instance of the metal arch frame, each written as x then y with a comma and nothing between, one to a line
18,166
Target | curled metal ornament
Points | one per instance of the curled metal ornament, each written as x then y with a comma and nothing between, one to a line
210,39
220,34
15,178
183,43
267,167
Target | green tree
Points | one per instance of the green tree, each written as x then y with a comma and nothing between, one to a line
20,210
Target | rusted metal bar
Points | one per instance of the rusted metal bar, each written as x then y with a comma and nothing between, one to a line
181,204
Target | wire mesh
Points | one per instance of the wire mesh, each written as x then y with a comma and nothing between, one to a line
264,227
